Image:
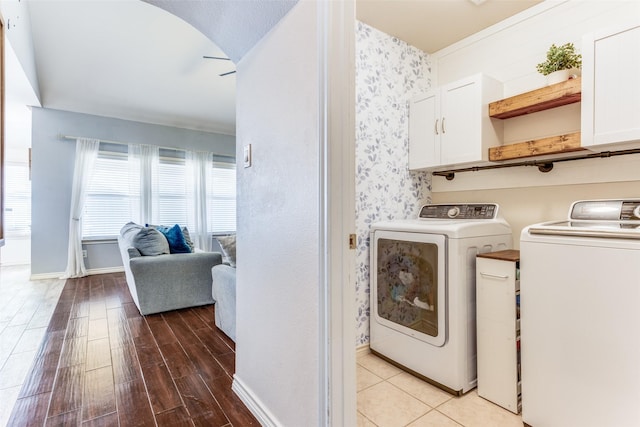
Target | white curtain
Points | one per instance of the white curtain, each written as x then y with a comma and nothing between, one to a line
86,154
143,167
198,163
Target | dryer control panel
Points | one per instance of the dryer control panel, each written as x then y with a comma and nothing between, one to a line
460,211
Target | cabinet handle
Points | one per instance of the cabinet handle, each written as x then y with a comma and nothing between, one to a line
443,131
436,127
494,276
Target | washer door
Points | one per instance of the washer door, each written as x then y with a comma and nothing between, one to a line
409,283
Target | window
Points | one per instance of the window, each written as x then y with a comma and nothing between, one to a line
113,195
221,197
172,191
17,220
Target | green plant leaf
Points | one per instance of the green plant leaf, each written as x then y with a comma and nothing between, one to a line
560,58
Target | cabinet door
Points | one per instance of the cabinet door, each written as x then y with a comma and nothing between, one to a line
461,122
611,88
496,332
424,134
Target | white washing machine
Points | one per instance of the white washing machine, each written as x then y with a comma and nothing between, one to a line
580,317
423,304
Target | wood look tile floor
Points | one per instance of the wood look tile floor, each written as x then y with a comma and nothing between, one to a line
101,363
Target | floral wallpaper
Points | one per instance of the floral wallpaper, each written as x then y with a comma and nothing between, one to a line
388,73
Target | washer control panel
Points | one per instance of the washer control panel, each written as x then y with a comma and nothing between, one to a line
606,210
460,211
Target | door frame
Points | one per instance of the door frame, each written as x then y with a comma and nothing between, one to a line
336,38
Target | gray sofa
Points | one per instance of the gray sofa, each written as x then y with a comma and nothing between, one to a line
224,286
169,281
224,293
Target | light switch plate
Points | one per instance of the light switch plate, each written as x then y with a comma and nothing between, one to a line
247,156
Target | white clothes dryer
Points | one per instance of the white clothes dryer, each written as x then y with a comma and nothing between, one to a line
423,294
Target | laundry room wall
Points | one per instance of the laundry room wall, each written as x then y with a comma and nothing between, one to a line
388,73
509,52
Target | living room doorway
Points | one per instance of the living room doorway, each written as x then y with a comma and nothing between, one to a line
19,96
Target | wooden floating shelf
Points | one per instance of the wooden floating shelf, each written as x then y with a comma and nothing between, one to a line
552,96
551,145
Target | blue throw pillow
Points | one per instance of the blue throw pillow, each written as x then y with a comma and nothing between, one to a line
177,242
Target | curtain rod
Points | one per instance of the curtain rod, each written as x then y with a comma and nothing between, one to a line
70,137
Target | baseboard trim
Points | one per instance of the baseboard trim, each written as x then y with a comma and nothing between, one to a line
363,349
14,264
46,276
105,270
255,405
90,272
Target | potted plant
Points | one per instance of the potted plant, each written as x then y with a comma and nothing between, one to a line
562,63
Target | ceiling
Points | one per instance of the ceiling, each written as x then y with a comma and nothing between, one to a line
132,60
431,25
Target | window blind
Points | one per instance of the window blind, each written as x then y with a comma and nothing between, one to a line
172,192
17,215
221,197
113,195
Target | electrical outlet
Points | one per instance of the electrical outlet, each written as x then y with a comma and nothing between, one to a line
84,253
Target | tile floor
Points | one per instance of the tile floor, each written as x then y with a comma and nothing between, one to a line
390,397
25,310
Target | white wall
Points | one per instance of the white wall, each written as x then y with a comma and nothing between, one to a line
16,251
278,230
509,52
17,22
388,73
52,177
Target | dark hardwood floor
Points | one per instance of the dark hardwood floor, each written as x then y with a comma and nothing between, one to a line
103,364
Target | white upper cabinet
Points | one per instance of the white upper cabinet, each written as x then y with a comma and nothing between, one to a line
424,144
611,88
451,125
